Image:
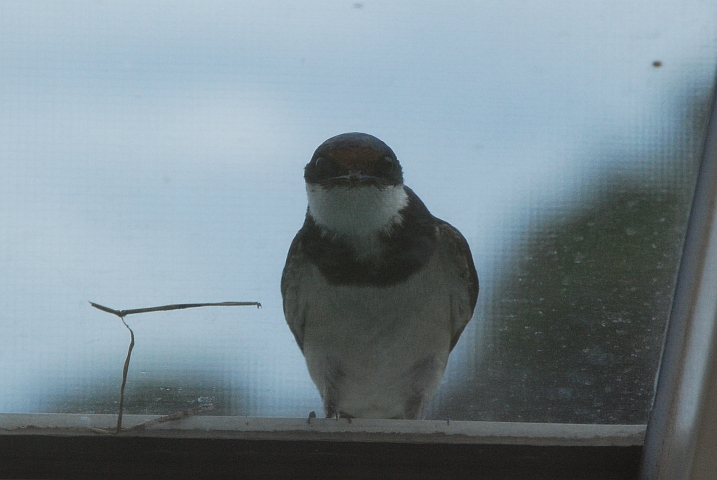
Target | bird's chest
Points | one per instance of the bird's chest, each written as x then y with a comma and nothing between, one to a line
372,326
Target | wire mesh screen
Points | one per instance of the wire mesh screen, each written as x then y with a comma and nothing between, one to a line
154,153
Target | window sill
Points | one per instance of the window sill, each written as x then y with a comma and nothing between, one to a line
60,445
321,429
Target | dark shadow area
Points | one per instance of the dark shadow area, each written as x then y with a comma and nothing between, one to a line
579,319
576,324
31,456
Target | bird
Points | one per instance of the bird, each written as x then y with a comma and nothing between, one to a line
375,289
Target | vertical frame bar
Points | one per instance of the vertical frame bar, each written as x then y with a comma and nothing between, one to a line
681,426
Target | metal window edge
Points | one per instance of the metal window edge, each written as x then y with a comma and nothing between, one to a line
678,434
358,430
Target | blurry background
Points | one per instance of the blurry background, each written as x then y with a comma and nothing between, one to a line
152,153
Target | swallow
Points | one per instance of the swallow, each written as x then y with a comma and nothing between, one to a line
376,290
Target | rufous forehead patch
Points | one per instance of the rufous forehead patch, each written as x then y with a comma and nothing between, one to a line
355,158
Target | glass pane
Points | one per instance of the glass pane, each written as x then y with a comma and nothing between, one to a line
153,154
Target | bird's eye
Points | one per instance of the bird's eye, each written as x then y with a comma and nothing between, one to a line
385,166
320,163
325,167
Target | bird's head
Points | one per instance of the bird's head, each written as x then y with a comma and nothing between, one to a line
353,160
355,185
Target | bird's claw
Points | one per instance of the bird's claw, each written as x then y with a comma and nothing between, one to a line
312,414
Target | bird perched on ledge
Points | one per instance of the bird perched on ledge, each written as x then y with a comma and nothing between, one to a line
376,290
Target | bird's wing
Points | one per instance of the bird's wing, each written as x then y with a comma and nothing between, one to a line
290,285
457,254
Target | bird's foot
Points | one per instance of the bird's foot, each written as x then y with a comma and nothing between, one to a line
312,414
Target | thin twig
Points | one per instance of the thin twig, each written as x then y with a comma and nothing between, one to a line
122,313
180,306
172,417
124,375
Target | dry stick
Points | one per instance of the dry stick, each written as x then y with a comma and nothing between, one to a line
124,375
180,306
122,313
172,417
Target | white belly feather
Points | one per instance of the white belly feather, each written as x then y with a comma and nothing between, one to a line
376,337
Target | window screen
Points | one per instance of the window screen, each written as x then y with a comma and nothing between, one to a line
153,154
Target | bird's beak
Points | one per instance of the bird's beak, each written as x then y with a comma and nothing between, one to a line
356,178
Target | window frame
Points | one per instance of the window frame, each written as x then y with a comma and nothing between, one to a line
681,439
679,442
72,445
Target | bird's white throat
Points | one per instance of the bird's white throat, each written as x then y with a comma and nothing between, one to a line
358,214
